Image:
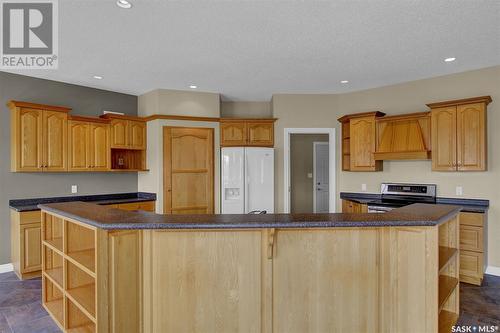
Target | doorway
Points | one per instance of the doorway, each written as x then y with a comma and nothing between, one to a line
188,170
299,183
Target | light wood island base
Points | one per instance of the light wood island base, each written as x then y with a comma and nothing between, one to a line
360,279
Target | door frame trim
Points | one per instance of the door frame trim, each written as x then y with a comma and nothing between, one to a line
315,144
332,164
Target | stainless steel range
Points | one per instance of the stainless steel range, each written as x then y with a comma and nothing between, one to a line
396,195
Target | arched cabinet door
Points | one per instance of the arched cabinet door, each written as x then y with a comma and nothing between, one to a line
362,144
233,134
471,137
444,138
29,138
120,133
55,125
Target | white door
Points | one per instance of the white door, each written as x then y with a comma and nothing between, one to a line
259,174
321,183
233,180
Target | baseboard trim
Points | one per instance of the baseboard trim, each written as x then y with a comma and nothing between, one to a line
6,268
493,270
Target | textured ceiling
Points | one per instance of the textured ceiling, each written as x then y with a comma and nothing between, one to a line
249,50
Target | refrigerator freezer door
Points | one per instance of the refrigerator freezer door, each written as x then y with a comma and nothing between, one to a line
233,176
259,172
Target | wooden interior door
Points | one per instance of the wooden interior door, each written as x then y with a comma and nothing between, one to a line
471,137
29,149
444,139
188,170
362,144
78,142
100,158
55,129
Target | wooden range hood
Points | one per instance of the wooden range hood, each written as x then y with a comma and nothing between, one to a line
404,137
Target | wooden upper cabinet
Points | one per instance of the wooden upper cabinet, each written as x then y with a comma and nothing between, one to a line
471,137
444,143
78,142
100,155
26,141
260,133
38,137
128,134
120,133
137,134
459,134
247,132
233,134
88,145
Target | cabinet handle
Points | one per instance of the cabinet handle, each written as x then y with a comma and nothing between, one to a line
271,243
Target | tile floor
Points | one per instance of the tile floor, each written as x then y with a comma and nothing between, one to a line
22,312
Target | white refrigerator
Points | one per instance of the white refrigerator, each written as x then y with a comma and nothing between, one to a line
247,180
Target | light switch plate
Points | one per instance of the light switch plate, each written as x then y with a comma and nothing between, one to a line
74,189
459,190
309,175
363,187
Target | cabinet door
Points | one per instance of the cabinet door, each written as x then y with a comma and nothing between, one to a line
119,133
233,134
471,137
78,143
444,139
100,154
471,266
55,129
137,135
31,247
260,134
363,144
28,141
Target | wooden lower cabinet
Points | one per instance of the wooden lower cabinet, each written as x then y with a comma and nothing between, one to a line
26,244
472,247
390,279
146,205
349,206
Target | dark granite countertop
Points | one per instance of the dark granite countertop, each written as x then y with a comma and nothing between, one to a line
26,205
468,205
111,218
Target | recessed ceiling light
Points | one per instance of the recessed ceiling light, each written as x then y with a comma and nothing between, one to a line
193,86
98,77
450,59
124,4
344,81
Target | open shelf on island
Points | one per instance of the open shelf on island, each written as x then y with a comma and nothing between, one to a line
77,320
81,245
447,285
81,289
85,258
446,320
53,300
53,232
446,254
53,266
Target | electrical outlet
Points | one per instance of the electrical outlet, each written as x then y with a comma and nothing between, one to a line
74,189
363,187
459,190
309,175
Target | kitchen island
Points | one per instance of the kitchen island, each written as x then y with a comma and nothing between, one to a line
109,270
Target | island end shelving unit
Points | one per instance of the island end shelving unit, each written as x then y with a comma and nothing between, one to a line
449,295
69,273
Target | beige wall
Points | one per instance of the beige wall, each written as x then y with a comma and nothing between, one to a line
301,163
179,103
245,110
323,110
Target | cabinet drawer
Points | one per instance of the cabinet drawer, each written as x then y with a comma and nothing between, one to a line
473,219
147,206
30,217
471,264
471,238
